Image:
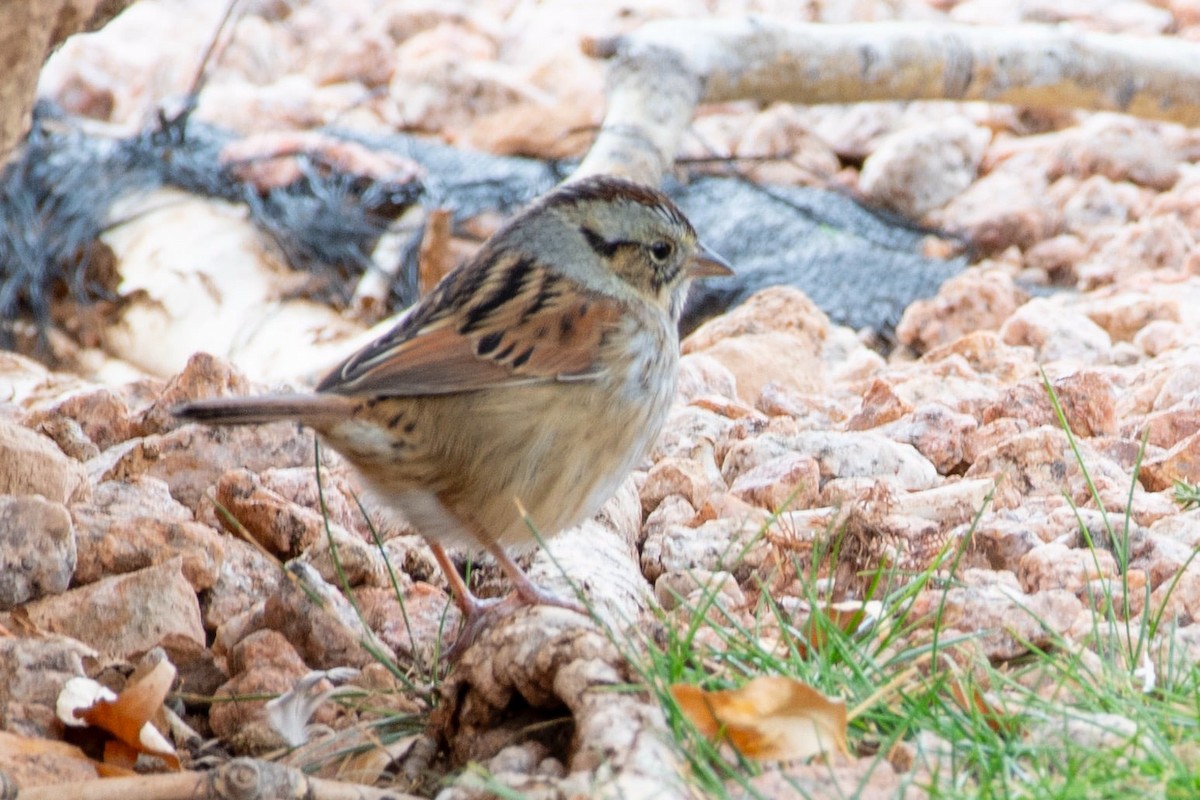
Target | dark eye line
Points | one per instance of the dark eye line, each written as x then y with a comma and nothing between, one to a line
600,245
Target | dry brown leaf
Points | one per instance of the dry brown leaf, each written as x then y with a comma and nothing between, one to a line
977,703
366,767
771,718
129,716
848,616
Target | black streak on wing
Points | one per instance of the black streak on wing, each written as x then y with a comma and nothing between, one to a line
489,343
514,277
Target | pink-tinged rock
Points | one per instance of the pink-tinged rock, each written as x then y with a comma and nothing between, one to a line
805,410
445,78
21,376
1057,257
780,309
337,488
989,435
780,149
1041,462
1122,149
103,417
37,549
1177,602
1180,463
788,482
692,478
918,169
35,670
282,527
843,492
865,778
756,360
1057,334
672,511
125,615
246,576
848,360
419,626
733,545
1003,539
327,634
264,663
43,761
690,431
865,455
1088,400
367,58
356,562
131,525
985,353
1056,566
31,464
1164,428
1180,387
198,668
202,377
1183,199
972,301
1096,202
880,405
1007,621
1159,336
1123,314
191,459
1001,209
692,587
743,455
701,375
1151,244
937,432
533,130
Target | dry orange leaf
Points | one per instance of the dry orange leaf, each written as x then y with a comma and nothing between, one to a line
847,616
976,702
128,716
770,718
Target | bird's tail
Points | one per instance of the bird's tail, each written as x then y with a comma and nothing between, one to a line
310,409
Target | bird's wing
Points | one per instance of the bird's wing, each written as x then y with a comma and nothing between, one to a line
500,323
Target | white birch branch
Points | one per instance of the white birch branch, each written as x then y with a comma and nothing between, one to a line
661,71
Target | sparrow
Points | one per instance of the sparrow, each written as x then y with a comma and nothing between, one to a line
537,375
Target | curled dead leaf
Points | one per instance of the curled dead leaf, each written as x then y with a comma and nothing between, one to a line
128,716
848,616
771,718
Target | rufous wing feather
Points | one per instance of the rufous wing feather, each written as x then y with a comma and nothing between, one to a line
511,325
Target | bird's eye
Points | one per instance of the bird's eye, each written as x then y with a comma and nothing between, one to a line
661,250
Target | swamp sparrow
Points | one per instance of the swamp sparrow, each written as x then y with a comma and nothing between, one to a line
540,372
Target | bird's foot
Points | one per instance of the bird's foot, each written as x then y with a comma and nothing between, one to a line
480,614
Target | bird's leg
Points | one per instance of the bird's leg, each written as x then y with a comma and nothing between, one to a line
467,603
526,591
474,610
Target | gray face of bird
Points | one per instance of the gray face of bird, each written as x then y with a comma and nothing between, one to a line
638,242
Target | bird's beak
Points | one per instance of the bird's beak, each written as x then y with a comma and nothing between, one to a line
707,264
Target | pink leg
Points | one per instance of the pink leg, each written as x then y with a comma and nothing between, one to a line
467,603
526,591
474,610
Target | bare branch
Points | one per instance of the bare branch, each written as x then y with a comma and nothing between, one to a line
242,778
660,71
